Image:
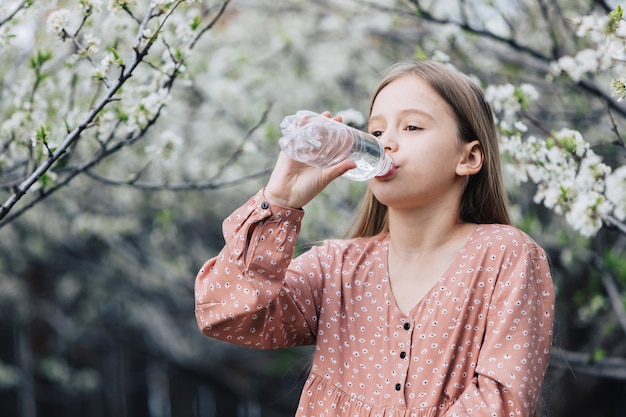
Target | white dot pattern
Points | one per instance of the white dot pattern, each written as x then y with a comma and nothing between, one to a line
477,344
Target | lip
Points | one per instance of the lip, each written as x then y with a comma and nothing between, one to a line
389,173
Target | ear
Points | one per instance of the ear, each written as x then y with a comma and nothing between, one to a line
472,158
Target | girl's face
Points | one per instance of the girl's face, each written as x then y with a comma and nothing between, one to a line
420,134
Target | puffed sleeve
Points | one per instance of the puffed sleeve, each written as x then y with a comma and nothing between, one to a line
240,295
514,355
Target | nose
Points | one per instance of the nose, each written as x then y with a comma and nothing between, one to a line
388,141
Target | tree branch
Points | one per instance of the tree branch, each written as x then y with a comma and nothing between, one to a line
615,223
613,367
127,71
210,25
212,183
612,291
187,186
21,6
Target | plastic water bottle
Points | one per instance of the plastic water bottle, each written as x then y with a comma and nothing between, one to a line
322,142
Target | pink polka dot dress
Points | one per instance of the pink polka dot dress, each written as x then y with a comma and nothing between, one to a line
477,344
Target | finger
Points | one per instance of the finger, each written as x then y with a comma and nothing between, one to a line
340,169
328,114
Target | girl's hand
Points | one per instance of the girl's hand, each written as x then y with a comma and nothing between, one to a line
294,184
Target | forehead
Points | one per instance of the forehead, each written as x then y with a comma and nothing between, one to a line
410,92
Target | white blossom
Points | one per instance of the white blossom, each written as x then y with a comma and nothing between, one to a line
184,33
441,57
502,99
520,126
586,213
160,3
117,5
166,146
352,117
14,123
90,5
529,91
148,107
571,179
616,191
585,61
103,69
59,21
608,48
617,50
591,26
91,44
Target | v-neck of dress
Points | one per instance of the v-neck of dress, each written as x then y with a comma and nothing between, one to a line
442,278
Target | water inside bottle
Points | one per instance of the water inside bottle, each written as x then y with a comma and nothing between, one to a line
368,162
322,142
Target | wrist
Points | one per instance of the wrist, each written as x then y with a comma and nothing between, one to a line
277,200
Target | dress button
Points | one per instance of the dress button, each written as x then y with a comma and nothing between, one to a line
398,387
407,326
265,205
402,355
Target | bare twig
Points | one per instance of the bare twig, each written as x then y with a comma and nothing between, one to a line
212,183
185,186
587,86
20,190
84,167
210,25
72,137
612,291
239,150
21,6
615,223
513,43
618,137
578,362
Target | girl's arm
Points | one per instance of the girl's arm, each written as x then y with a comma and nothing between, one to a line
516,349
240,295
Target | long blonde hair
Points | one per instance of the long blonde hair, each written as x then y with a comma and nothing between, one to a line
484,199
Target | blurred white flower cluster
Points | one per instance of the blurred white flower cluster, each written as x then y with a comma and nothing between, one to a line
353,117
509,100
607,51
61,21
100,44
571,179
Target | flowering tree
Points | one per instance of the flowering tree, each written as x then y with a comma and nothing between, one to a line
572,179
60,124
40,138
125,124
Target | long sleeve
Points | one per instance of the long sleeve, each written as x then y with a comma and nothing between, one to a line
516,348
240,295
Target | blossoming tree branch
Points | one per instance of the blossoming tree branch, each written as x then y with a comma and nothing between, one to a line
77,96
572,179
93,94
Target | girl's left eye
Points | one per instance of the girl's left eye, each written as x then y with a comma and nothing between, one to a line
412,128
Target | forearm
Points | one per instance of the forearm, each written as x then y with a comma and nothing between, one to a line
238,292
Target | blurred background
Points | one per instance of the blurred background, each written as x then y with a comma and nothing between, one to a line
98,258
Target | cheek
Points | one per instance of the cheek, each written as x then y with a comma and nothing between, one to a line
439,155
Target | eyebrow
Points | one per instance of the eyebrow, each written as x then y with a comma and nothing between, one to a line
405,113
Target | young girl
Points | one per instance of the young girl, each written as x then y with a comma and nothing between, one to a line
435,307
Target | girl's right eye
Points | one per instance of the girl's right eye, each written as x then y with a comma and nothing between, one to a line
376,133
